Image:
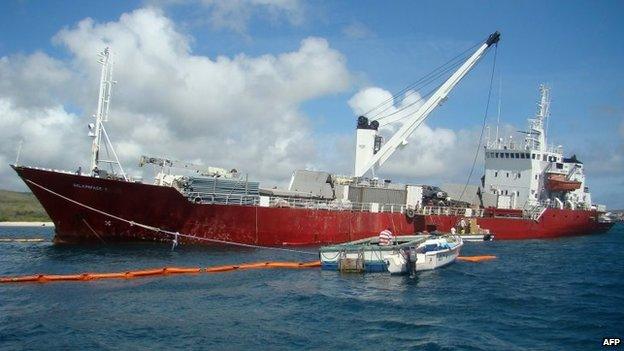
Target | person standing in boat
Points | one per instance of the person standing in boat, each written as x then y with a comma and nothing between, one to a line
385,237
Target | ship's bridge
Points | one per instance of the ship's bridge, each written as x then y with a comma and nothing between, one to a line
523,175
515,174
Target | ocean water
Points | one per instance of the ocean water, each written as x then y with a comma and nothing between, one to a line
564,294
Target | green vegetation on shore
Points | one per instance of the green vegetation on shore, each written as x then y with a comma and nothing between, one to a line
20,207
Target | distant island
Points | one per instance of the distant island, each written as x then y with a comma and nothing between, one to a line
21,207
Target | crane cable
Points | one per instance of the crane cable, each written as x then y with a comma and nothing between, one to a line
423,97
460,56
402,109
415,84
487,107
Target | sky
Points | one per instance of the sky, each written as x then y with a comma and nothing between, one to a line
270,86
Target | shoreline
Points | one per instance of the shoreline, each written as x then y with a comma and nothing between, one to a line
26,224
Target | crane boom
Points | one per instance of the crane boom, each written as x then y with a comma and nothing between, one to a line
400,137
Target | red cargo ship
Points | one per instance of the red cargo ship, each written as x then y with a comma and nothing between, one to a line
216,206
85,208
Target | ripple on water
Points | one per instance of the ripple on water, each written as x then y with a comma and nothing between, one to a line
543,295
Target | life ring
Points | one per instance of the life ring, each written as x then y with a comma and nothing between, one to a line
197,200
410,213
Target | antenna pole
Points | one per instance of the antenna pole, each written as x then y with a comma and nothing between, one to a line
500,89
102,107
19,151
97,131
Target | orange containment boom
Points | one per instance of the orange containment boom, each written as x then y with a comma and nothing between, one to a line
44,278
476,258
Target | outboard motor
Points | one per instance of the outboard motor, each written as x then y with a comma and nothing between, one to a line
411,261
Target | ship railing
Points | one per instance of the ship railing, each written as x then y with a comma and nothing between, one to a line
223,199
535,212
554,149
332,205
449,211
292,202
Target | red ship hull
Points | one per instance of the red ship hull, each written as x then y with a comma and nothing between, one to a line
88,209
553,223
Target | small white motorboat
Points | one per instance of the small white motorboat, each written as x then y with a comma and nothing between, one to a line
365,255
407,254
436,251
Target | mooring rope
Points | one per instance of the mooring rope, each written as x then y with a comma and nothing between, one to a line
159,230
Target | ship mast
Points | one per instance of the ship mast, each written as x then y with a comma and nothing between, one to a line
536,136
97,130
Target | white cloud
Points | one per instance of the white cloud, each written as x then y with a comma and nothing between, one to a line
35,80
50,137
357,30
235,15
379,104
240,112
368,99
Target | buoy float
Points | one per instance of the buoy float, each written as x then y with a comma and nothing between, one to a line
476,258
44,278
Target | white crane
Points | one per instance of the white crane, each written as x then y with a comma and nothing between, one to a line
370,154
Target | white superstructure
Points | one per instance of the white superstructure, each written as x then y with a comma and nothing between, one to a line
530,173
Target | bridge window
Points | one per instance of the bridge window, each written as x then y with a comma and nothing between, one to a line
533,156
496,174
527,155
506,154
497,155
519,175
507,174
544,158
521,155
